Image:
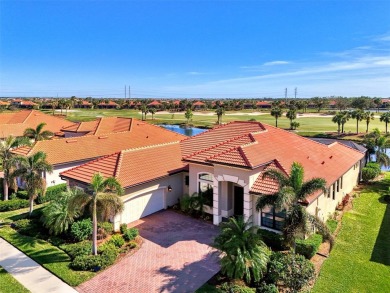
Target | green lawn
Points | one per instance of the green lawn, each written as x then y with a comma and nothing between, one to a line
307,125
9,284
46,254
11,216
360,260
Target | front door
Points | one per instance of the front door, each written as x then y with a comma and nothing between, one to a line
238,201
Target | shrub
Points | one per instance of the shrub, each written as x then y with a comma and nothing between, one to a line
130,234
106,226
236,288
107,256
369,174
185,203
123,228
117,240
308,247
13,204
271,239
77,249
375,166
266,288
52,192
81,230
128,246
294,271
22,194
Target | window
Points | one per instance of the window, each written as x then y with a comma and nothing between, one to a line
341,182
205,187
272,219
187,180
334,191
338,185
328,193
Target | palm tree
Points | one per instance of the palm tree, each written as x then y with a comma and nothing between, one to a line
368,116
345,117
219,111
30,170
244,254
277,113
37,134
104,199
6,157
152,111
144,109
359,116
57,216
337,119
377,144
292,191
188,115
385,117
291,114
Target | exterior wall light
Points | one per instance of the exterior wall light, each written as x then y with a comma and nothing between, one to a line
169,188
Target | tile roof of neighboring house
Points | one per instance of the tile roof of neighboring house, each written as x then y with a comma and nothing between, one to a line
28,103
3,103
86,103
110,103
101,126
332,103
16,122
89,147
263,103
198,103
134,166
155,103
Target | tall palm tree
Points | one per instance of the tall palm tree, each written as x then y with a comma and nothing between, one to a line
57,216
292,191
277,113
359,116
30,170
38,133
7,158
152,111
244,254
144,110
219,111
385,117
104,200
291,114
337,119
377,144
344,119
368,116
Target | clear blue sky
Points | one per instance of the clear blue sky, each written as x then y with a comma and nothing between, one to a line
219,49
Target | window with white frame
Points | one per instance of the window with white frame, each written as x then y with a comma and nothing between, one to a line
205,187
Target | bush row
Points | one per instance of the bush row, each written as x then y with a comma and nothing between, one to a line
128,234
52,192
271,239
308,247
13,204
108,253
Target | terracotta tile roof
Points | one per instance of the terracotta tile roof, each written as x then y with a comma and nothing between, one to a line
3,103
89,147
253,144
199,103
110,103
15,123
155,103
263,103
267,185
86,103
101,126
134,166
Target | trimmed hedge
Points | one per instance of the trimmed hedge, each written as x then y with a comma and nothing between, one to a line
117,240
308,247
52,192
271,239
106,257
27,227
77,249
13,204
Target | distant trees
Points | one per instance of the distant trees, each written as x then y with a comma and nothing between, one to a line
144,111
368,116
361,103
320,103
342,103
152,111
220,111
188,115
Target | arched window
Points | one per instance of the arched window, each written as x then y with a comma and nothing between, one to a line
205,187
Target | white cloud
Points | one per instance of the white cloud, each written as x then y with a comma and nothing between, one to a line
272,63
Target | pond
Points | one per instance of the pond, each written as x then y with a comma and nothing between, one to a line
188,131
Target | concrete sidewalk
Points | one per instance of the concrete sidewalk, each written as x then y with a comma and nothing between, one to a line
29,273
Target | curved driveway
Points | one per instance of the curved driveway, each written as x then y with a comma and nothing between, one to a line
175,257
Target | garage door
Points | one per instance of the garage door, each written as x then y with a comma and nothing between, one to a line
143,205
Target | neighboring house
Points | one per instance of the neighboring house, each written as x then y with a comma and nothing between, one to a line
109,105
84,105
264,105
23,104
198,106
15,123
226,165
99,126
66,153
155,104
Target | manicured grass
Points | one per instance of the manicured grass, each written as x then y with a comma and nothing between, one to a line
46,254
332,225
9,284
307,124
360,260
11,216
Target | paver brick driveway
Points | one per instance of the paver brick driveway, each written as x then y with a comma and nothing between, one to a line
175,257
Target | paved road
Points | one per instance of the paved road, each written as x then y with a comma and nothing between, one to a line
29,273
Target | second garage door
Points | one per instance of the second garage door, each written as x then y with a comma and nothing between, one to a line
143,205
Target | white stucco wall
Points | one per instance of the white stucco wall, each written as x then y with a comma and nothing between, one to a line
57,169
